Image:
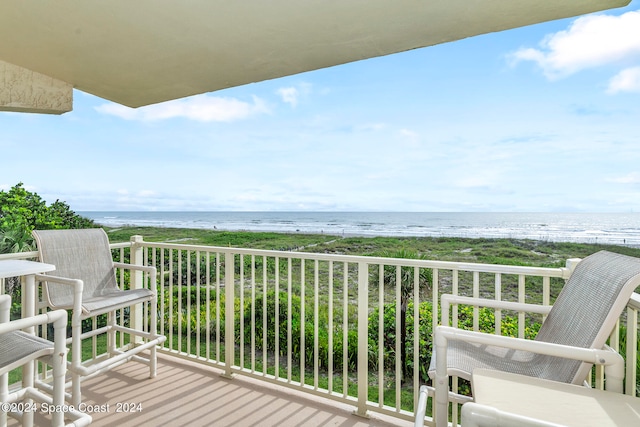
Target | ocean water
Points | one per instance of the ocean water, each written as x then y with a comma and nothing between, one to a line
610,228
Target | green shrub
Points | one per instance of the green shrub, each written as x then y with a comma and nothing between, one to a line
194,321
22,211
486,319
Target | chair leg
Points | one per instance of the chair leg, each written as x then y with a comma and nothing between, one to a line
28,372
4,392
76,362
153,362
111,334
441,381
422,406
59,368
153,358
76,393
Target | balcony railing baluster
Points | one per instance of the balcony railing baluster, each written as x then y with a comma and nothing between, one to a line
521,298
498,297
632,380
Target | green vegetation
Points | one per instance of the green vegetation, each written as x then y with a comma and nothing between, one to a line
489,251
235,239
407,278
294,332
22,211
524,252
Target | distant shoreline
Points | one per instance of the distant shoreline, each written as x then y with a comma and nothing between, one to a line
355,235
202,236
492,251
619,229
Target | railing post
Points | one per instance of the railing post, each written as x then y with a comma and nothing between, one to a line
571,265
229,314
363,339
136,257
631,351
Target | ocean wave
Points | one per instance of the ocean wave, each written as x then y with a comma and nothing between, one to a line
588,228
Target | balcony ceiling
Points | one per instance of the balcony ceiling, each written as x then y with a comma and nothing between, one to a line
147,51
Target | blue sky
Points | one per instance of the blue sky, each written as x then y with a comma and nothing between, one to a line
540,119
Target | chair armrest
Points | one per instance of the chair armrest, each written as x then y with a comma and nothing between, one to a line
448,300
57,317
77,284
62,280
606,356
146,268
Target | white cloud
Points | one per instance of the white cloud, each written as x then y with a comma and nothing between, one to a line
372,127
147,193
476,180
411,137
203,108
631,178
590,41
292,94
408,133
289,95
627,80
140,193
125,199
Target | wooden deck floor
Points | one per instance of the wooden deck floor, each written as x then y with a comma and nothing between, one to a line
189,394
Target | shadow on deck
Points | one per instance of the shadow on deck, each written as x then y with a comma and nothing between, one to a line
189,394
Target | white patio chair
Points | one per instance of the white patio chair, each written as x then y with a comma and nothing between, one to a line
571,339
85,283
18,348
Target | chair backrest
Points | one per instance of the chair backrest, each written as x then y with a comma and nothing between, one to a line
586,311
77,254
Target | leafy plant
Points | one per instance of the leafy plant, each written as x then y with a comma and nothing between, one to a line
406,277
22,211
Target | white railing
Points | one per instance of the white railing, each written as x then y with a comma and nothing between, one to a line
326,324
336,335
20,255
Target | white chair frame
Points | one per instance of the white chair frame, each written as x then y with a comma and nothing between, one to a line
115,357
55,356
615,275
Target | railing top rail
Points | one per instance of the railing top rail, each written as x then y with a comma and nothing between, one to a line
634,302
445,265
120,245
20,255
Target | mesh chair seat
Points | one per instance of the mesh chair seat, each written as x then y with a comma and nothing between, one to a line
108,301
17,346
463,357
